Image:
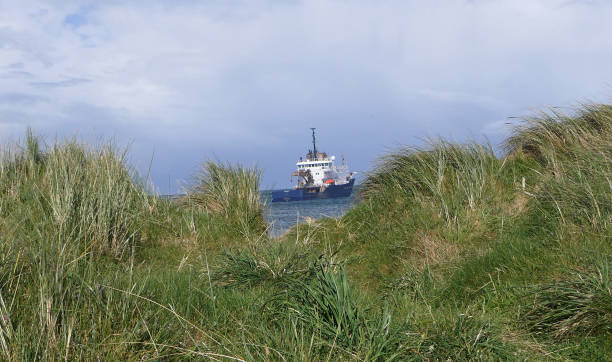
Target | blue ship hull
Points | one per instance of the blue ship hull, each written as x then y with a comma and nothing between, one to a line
313,193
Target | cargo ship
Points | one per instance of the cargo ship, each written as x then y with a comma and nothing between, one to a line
318,177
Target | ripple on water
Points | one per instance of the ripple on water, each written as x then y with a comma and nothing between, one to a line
283,215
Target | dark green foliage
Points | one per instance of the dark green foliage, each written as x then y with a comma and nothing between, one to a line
326,304
266,262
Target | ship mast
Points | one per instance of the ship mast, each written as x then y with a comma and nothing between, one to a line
314,144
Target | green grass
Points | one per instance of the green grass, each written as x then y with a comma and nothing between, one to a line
579,306
451,253
231,192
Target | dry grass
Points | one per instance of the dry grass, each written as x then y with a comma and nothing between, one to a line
429,250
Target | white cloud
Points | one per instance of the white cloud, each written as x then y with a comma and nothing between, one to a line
252,75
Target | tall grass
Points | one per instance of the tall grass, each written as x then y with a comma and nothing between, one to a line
325,304
577,154
450,176
263,263
232,192
84,196
579,191
525,217
63,210
426,267
579,306
550,134
461,337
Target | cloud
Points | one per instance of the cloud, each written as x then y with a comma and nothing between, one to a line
70,82
16,74
19,98
499,128
246,79
461,97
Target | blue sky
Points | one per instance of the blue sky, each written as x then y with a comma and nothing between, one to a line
243,81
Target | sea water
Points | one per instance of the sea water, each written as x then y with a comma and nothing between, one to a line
283,215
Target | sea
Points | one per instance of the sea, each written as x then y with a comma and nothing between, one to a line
283,215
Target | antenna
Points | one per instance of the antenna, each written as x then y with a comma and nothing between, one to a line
314,144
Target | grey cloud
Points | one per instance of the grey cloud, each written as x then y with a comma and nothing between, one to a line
20,98
71,82
16,74
245,80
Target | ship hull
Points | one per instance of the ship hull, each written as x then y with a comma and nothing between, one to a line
331,191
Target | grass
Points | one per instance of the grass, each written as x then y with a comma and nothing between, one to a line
581,305
231,192
449,176
451,253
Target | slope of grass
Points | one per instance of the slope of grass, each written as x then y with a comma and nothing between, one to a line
452,227
451,253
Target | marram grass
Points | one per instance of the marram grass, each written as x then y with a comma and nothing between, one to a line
452,253
232,192
579,306
449,176
88,197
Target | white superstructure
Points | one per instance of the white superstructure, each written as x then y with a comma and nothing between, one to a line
319,170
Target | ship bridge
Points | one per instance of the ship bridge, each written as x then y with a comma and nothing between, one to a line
317,178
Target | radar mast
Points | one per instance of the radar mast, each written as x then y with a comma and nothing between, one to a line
314,144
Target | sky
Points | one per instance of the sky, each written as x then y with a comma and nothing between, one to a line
181,82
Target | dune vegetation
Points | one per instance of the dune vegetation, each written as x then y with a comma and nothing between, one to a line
451,252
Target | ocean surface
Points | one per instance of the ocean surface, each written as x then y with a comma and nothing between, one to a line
283,215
